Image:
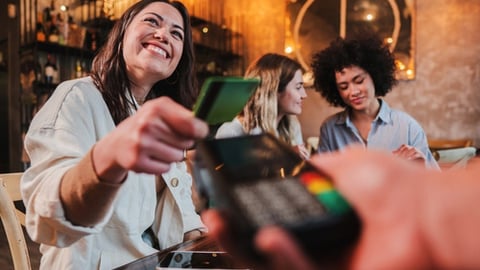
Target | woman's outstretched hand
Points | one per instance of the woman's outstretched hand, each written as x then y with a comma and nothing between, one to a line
148,141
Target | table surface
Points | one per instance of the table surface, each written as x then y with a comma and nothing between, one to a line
149,262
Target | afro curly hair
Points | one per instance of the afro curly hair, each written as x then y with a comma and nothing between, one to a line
367,51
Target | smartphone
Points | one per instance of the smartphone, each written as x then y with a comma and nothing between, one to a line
197,259
222,98
257,180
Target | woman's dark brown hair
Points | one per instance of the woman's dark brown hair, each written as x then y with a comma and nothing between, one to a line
109,70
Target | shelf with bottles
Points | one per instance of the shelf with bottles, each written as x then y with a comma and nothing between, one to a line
64,36
58,67
69,39
80,25
49,47
40,75
218,49
211,38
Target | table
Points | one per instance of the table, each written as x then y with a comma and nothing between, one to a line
203,243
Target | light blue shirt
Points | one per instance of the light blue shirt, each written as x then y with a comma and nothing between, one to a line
390,129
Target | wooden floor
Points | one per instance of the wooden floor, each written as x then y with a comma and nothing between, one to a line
5,258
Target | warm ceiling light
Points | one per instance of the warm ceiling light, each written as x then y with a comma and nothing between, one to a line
400,65
12,11
288,49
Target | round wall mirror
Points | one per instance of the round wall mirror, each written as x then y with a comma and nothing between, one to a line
314,24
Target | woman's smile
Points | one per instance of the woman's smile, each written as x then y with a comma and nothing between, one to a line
157,50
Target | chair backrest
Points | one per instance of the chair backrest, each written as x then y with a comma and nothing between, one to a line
440,144
454,158
312,144
10,192
12,184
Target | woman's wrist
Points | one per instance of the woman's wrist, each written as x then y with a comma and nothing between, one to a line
105,168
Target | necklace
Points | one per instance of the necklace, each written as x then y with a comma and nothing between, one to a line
139,93
139,100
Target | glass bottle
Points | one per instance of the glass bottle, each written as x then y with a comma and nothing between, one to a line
78,69
50,69
54,33
47,21
40,35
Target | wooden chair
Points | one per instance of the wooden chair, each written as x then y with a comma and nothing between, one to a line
440,144
12,218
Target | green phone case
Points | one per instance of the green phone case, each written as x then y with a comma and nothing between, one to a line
222,98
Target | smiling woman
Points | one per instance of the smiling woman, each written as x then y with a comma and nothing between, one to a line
153,44
112,169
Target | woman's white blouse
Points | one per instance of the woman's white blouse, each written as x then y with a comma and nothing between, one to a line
61,133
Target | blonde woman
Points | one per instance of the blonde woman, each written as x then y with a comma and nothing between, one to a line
275,103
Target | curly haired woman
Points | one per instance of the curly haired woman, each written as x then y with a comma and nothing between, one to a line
354,74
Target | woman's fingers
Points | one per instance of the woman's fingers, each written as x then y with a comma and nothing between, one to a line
153,138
